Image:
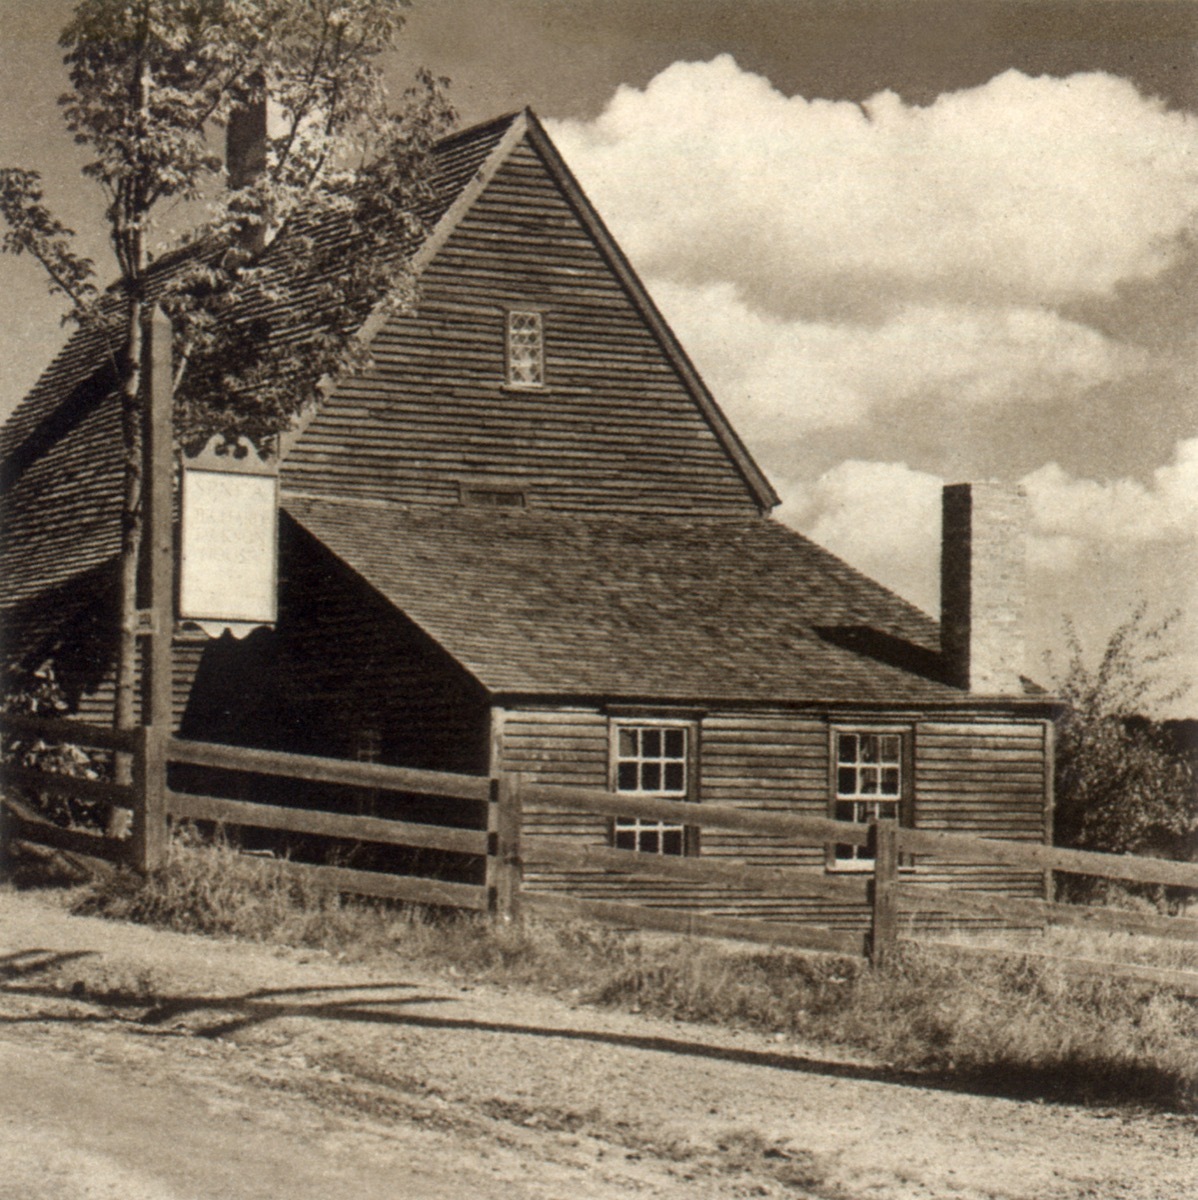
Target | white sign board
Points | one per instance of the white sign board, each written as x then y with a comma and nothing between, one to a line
229,541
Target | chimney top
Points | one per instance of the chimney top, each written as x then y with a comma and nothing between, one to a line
245,143
983,588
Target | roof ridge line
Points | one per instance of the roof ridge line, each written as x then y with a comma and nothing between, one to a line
754,477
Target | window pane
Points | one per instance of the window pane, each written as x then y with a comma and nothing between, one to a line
869,781
890,781
848,747
651,777
651,743
671,841
846,781
627,743
626,777
675,777
675,743
525,348
846,812
869,747
649,841
625,838
890,748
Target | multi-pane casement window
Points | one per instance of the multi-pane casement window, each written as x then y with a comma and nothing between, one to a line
870,780
525,348
651,760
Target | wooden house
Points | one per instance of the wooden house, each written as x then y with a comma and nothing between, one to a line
527,538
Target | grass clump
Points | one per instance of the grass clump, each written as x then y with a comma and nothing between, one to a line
1009,1023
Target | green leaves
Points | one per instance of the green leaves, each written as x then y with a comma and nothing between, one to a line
32,229
283,271
1121,785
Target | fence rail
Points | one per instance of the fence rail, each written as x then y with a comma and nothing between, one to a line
886,893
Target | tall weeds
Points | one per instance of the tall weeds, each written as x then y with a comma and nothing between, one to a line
1014,1024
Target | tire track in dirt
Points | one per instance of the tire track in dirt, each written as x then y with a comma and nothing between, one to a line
382,1075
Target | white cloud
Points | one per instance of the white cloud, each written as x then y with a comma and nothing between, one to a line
779,378
1072,515
882,518
823,261
1025,190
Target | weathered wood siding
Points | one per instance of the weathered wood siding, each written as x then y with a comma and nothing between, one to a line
340,660
348,661
614,429
982,777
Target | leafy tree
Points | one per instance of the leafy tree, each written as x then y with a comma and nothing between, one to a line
1121,785
343,177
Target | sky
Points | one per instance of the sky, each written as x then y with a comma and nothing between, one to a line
905,243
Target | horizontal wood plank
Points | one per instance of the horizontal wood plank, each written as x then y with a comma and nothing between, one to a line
916,897
804,937
704,816
78,733
411,888
769,881
326,824
328,770
58,784
23,824
1031,854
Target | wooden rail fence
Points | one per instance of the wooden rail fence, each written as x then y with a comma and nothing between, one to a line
491,825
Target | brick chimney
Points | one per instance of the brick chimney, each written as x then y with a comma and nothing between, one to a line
245,143
983,587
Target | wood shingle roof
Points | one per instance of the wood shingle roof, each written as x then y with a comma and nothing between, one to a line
60,450
704,610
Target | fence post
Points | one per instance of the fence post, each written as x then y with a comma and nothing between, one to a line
504,865
148,846
883,841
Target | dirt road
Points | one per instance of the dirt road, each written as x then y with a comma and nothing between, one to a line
150,1066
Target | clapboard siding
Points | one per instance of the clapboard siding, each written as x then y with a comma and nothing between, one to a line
614,429
988,779
779,762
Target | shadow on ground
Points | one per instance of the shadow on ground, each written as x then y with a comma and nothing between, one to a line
392,1004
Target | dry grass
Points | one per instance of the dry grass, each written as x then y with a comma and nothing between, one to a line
1015,1024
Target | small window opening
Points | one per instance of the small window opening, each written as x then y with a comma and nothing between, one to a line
525,349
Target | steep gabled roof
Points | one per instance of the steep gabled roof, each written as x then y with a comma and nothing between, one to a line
719,609
60,450
458,159
58,478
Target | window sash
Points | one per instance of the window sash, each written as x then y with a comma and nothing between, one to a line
650,759
870,779
525,349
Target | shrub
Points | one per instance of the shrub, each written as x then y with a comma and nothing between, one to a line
1121,785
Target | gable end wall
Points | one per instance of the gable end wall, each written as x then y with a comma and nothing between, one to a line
614,429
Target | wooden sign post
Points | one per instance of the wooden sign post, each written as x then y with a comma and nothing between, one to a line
157,620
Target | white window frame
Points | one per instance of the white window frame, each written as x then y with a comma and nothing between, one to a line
640,828
864,804
524,371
